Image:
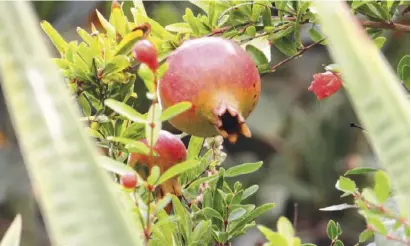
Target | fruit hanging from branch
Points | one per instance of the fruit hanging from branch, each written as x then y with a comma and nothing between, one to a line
220,80
171,151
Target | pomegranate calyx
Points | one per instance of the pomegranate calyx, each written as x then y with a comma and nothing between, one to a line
230,124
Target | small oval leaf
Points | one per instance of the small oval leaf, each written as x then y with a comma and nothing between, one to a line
243,169
125,110
175,110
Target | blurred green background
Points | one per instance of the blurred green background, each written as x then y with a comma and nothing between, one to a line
305,143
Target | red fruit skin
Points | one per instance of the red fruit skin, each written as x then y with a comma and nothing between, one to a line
210,73
145,52
325,84
171,150
129,180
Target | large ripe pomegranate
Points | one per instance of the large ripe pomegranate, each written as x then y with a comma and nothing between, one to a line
220,80
171,151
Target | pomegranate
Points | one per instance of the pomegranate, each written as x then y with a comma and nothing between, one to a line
145,52
325,84
220,80
170,150
129,180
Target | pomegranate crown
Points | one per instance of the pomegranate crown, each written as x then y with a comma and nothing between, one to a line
230,123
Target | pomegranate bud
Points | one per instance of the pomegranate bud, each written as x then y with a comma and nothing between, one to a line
129,180
145,52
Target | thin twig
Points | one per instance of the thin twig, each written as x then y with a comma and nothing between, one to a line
300,52
295,219
382,209
386,25
152,126
194,179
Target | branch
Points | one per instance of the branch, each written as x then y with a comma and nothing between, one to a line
300,52
386,25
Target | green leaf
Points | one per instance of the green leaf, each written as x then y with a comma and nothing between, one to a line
177,170
116,64
194,147
201,233
243,169
285,46
117,167
365,236
360,170
338,243
175,110
356,4
302,8
125,110
256,12
403,70
126,44
139,7
281,33
251,216
84,105
212,17
146,74
111,31
13,234
249,191
211,213
379,41
346,185
332,230
382,186
154,175
157,30
28,72
274,238
162,70
136,146
236,214
316,36
251,31
308,244
118,20
256,54
192,21
281,5
88,38
377,224
58,41
179,27
284,227
388,136
266,16
185,223
338,207
134,131
153,124
94,133
222,237
162,203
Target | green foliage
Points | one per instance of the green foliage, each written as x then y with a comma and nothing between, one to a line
388,135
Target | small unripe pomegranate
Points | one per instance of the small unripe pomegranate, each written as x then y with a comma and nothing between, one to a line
145,52
171,151
220,80
129,180
325,84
